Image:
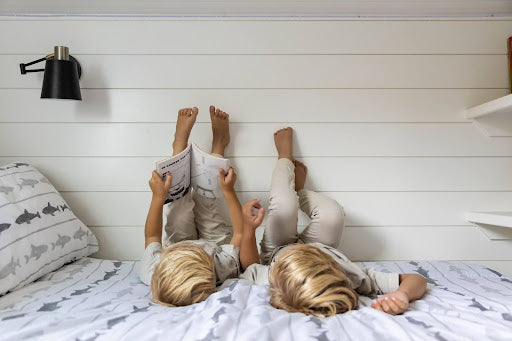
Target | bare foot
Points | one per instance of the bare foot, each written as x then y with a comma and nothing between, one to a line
186,120
300,175
283,141
220,129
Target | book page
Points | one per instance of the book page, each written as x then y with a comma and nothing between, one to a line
179,167
204,169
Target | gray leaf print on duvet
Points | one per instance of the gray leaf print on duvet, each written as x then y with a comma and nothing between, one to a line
27,182
26,217
63,240
9,269
37,251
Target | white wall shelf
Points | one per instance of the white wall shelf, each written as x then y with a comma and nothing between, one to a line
495,225
494,118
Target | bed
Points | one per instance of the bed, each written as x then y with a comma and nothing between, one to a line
93,299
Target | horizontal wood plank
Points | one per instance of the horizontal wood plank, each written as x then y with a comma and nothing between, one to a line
256,105
252,139
324,173
361,208
358,243
294,8
274,71
157,36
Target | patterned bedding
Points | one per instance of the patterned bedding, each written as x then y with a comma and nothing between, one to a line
94,299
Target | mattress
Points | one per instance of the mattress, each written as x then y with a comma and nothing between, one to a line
94,299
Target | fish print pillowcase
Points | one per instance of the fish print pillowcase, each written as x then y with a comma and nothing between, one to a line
38,231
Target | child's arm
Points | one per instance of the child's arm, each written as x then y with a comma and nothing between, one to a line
227,183
249,250
153,228
412,287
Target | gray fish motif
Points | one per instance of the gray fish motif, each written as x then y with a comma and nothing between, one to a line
64,207
26,217
218,314
438,337
118,264
323,336
209,336
9,269
114,321
50,210
44,180
81,291
61,241
108,275
6,189
316,321
507,316
424,273
123,292
79,233
140,310
416,322
27,182
478,305
51,306
226,299
4,227
17,165
37,251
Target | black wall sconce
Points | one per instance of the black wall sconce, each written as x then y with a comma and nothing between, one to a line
61,74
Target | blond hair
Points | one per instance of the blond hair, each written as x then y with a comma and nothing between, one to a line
306,280
185,275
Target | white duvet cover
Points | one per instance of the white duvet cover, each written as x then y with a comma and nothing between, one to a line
95,299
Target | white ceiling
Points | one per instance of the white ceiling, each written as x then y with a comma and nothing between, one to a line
350,8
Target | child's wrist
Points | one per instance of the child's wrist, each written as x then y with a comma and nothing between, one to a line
404,292
158,199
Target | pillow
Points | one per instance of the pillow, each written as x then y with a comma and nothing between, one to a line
38,231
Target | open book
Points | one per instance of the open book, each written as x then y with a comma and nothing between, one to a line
193,167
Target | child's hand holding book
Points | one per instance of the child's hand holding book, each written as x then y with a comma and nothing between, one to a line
160,187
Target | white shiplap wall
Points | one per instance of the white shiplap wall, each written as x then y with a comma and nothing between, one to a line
377,106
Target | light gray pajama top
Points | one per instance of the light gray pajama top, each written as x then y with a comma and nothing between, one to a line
367,281
225,259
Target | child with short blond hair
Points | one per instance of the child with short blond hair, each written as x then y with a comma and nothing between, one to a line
200,250
307,273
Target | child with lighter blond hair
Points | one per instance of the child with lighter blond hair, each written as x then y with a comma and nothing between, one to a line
307,273
200,250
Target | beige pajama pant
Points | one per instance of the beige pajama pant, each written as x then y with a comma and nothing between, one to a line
327,216
196,217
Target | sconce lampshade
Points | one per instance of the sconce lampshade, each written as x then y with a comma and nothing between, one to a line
61,79
61,74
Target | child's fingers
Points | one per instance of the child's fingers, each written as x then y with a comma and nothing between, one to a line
394,307
222,174
168,180
376,305
259,217
386,306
